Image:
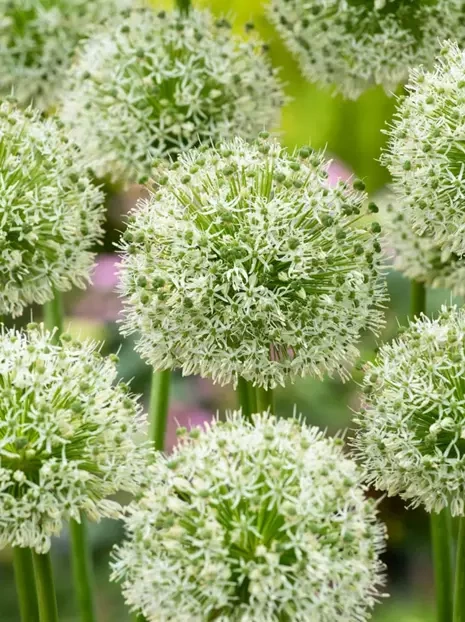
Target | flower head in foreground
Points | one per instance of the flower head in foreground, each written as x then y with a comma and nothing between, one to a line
426,152
162,83
253,521
66,436
244,262
50,211
418,256
38,39
412,428
354,44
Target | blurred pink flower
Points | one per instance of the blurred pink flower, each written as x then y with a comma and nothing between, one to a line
183,415
337,171
105,272
100,301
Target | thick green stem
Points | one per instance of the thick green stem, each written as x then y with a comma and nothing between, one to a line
183,6
246,397
441,537
25,584
159,404
441,540
459,597
54,314
252,398
45,588
82,570
417,299
265,400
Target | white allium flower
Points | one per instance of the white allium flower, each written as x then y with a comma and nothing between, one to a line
244,262
355,44
412,427
50,211
161,83
425,153
38,39
264,520
66,436
418,256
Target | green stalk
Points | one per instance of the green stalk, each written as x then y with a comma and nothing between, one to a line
459,592
159,403
82,567
183,6
46,597
459,596
252,398
441,540
440,524
25,584
82,570
246,394
417,299
54,314
265,400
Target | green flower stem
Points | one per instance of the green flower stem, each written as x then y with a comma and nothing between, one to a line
265,400
252,398
159,403
54,314
183,6
25,584
246,397
82,570
441,539
459,597
45,588
417,299
440,524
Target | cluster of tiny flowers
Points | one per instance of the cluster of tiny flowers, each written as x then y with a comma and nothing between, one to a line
412,427
263,520
162,83
66,436
425,153
354,44
244,262
38,39
418,256
50,211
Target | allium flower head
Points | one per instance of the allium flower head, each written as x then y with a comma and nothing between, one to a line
425,153
412,428
253,521
418,256
354,44
38,39
65,436
161,83
244,262
50,211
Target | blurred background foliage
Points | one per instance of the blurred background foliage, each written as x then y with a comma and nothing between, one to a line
351,132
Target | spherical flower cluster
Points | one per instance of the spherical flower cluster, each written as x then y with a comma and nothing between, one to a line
66,436
244,262
425,153
161,83
412,427
50,211
418,256
38,39
354,44
263,520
